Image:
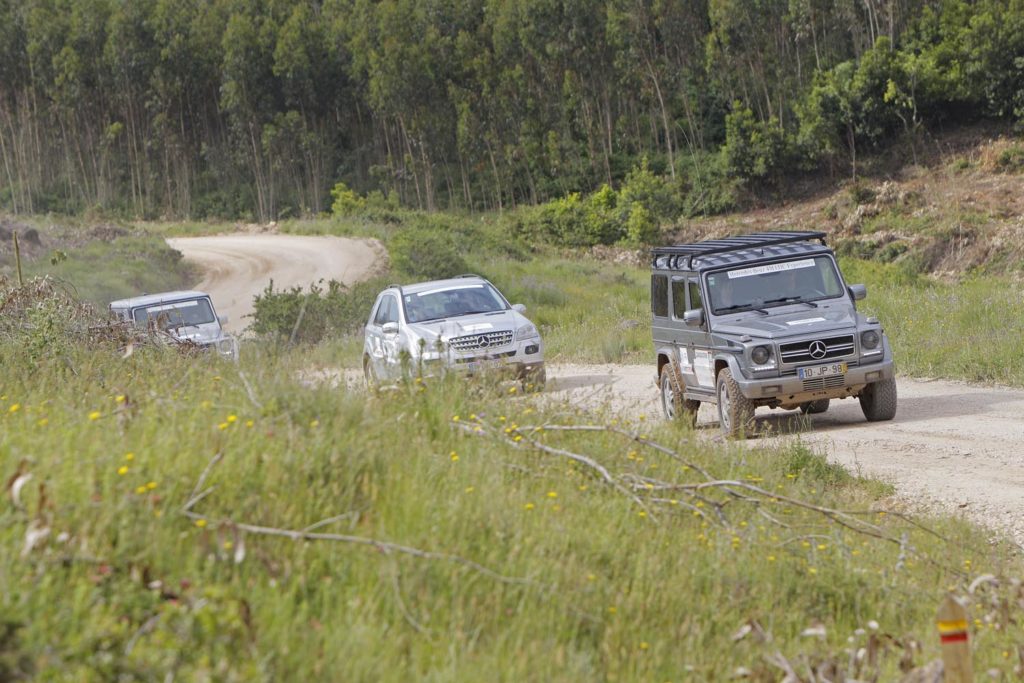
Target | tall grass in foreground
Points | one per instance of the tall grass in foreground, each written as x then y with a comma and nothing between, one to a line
124,555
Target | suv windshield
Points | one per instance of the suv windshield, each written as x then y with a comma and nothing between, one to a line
773,284
452,301
177,314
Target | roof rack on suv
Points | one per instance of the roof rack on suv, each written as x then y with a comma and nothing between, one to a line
465,275
753,241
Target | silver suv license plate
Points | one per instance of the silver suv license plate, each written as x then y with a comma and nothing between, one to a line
830,370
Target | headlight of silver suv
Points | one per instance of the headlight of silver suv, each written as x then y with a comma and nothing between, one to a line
869,340
760,355
527,331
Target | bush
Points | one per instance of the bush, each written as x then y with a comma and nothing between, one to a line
308,317
424,252
653,192
346,201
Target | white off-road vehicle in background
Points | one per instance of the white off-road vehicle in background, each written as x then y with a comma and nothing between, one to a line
187,316
463,325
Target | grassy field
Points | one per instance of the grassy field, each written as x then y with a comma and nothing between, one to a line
156,509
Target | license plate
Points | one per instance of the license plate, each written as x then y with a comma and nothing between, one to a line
830,370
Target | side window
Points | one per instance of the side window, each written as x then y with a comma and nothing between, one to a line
695,299
678,298
391,316
386,311
659,295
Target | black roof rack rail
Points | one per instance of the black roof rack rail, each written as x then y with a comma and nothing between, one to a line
752,241
466,275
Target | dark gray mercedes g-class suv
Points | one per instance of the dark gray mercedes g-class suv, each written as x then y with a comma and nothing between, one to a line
764,320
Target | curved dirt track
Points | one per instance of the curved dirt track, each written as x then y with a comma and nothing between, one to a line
952,445
238,267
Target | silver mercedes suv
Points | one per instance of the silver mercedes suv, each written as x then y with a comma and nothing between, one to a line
463,325
185,315
764,320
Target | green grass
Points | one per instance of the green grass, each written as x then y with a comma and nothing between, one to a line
127,586
100,272
968,330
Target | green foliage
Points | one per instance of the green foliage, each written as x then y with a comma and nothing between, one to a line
423,252
138,577
308,316
1011,159
347,202
258,110
753,150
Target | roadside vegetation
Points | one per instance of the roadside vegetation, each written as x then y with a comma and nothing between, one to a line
169,515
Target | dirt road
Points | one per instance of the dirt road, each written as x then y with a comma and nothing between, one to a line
951,445
238,267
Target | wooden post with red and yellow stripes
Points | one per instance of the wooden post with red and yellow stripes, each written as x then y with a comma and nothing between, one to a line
956,648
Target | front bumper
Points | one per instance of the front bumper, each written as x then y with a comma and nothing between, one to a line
791,390
522,359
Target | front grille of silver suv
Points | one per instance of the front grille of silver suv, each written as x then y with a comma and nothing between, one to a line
485,340
816,350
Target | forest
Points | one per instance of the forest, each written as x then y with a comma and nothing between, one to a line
257,109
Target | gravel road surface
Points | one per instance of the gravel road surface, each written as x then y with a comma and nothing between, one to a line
237,267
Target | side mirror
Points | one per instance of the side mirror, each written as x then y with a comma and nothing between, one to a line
858,292
222,319
389,328
519,308
694,317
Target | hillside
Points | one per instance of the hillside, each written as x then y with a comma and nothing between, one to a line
959,210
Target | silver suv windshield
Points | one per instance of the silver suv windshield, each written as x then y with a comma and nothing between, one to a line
452,301
177,314
774,284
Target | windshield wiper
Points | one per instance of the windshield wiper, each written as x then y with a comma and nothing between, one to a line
459,315
741,307
794,299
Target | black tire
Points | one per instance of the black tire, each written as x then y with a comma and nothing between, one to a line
814,407
534,382
878,400
369,375
673,404
735,411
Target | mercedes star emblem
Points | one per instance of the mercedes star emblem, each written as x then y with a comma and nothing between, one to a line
818,350
483,341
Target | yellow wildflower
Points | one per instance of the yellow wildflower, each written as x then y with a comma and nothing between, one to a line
222,426
119,398
200,523
129,456
122,470
15,407
454,456
249,423
95,415
43,422
232,418
552,494
314,424
528,506
140,489
151,485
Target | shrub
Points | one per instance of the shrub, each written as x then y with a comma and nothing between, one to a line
308,317
651,191
346,201
1011,159
641,228
424,252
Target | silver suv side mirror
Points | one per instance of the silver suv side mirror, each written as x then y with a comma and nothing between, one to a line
694,317
222,319
858,292
519,308
389,328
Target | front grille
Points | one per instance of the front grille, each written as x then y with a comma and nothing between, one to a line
824,383
490,356
800,352
486,340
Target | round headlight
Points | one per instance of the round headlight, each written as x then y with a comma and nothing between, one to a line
760,354
869,339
